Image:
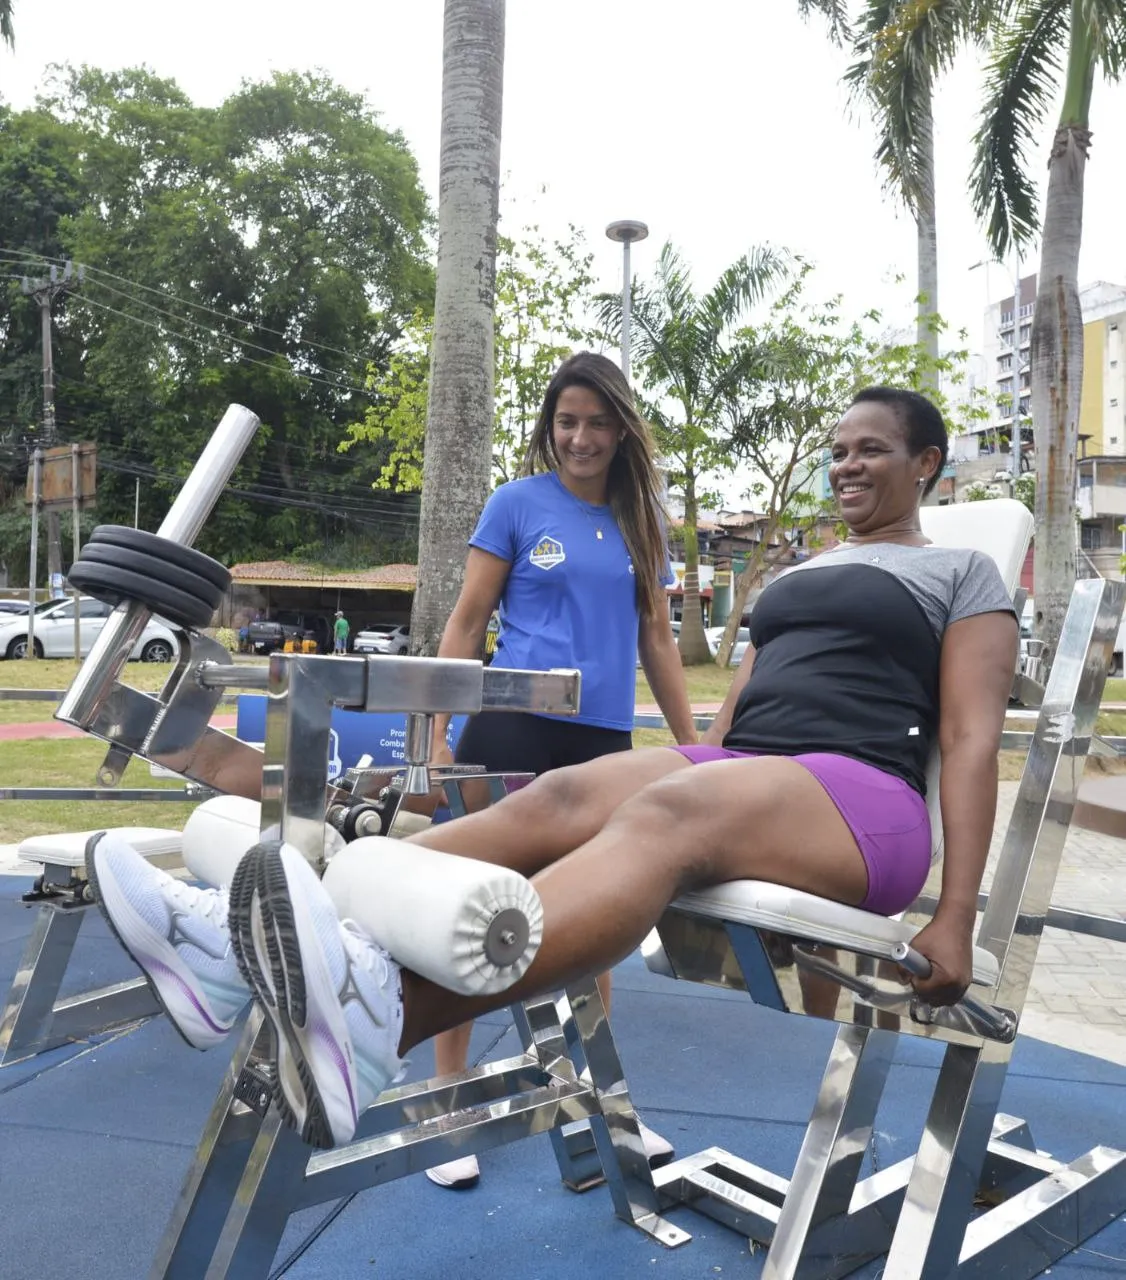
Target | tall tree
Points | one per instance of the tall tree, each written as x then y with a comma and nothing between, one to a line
681,344
542,296
268,251
1039,39
901,48
797,373
459,428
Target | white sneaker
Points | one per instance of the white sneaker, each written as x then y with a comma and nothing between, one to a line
177,934
459,1175
333,995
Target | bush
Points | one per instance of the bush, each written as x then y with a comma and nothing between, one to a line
227,637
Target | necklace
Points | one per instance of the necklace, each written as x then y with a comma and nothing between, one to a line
584,507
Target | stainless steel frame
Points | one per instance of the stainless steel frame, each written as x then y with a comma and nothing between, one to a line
250,1173
826,1221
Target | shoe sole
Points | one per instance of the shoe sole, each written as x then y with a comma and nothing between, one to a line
171,962
242,920
265,909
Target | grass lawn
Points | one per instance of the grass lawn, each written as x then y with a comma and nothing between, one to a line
57,673
48,762
73,762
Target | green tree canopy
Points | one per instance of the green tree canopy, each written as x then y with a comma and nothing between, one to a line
268,252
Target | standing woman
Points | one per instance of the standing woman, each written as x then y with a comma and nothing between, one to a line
574,554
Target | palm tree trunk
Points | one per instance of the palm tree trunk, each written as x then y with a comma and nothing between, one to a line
459,423
926,235
693,643
1057,345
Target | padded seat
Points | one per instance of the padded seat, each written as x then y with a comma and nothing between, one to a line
68,848
1001,529
819,920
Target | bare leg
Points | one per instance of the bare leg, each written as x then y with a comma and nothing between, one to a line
537,824
553,815
762,819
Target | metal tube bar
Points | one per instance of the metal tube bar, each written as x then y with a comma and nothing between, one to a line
208,478
115,641
222,675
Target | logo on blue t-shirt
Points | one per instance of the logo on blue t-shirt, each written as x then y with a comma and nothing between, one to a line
547,553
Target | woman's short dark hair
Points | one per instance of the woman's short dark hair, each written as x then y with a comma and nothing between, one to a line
921,422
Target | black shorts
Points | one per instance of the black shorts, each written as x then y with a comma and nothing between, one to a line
517,742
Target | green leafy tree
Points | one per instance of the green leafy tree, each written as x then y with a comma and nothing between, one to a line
543,292
799,370
263,252
681,344
1041,47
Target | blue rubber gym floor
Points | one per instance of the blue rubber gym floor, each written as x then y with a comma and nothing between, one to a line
95,1140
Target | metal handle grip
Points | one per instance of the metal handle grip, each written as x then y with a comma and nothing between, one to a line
997,1024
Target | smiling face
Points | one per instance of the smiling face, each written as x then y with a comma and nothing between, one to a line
873,474
585,434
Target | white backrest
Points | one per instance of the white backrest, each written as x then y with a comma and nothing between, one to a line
1002,528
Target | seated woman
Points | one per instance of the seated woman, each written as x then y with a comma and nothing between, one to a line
812,776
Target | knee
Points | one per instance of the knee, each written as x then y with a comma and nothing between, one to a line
668,811
553,795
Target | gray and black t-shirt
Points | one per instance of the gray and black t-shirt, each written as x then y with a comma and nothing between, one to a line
847,650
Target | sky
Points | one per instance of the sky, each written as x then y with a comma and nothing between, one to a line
721,124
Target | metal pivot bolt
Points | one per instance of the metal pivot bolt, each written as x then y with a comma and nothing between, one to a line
506,938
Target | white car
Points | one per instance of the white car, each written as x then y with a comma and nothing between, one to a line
384,637
54,633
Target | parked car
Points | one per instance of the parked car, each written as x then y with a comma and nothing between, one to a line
13,606
264,635
54,633
383,637
715,635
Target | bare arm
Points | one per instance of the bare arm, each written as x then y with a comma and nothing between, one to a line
661,663
464,634
714,734
975,676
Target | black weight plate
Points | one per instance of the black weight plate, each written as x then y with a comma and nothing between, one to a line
120,535
158,570
113,585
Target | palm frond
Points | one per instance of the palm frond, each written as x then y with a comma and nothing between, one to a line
1022,74
902,46
1111,17
835,13
7,28
742,285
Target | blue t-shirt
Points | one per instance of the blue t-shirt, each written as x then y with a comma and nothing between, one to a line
570,599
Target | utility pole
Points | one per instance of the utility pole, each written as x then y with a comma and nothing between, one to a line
45,290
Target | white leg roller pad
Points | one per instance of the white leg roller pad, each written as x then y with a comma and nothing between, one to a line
220,831
469,926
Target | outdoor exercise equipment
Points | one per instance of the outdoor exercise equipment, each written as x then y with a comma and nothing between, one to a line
251,1172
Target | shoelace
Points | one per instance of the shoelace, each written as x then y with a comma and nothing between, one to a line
364,953
209,904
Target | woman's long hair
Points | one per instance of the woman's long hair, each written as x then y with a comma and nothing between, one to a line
633,485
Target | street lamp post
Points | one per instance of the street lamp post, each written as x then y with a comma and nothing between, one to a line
626,232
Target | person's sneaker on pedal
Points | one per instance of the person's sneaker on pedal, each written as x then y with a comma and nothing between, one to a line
333,995
176,933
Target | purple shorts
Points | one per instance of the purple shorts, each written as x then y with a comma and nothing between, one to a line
887,818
